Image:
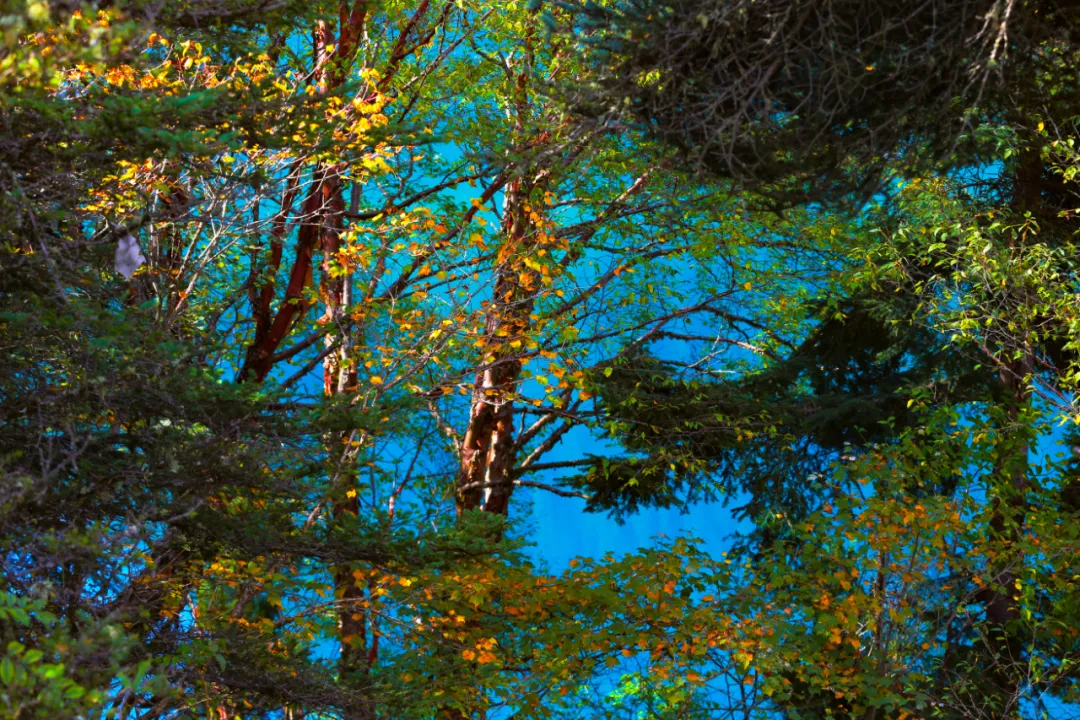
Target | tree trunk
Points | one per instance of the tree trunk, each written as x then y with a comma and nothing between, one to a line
1001,604
488,452
1002,607
356,651
488,449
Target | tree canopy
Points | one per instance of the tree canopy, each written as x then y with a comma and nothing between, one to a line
303,303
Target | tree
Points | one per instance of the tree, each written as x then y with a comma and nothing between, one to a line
815,100
810,104
375,273
149,505
232,528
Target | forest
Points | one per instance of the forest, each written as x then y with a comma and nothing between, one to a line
337,335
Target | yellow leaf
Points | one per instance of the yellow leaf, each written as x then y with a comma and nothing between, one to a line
376,380
38,11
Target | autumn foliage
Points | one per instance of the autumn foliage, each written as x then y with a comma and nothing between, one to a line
304,304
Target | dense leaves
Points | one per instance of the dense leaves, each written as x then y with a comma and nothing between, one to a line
817,99
302,303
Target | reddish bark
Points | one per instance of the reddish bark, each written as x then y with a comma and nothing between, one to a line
269,334
262,298
322,217
331,71
488,450
321,225
358,637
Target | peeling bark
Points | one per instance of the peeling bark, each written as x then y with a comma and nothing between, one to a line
488,450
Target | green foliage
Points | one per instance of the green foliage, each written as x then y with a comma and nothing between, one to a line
195,526
34,673
849,385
